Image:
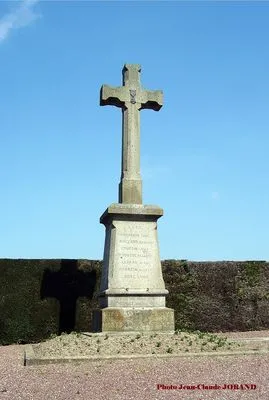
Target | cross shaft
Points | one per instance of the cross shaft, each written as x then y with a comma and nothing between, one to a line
131,98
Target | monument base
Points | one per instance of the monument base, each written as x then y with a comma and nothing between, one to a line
132,290
133,320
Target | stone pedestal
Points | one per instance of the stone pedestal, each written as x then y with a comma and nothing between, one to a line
132,293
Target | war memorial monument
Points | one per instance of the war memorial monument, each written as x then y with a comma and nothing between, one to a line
132,293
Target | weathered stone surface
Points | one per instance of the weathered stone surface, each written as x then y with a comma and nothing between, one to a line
132,274
137,210
131,98
134,320
132,294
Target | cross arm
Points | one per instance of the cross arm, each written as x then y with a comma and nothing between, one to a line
113,96
152,99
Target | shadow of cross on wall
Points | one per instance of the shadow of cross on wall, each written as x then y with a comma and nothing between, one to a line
67,285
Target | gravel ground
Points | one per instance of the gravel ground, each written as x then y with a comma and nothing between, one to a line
134,378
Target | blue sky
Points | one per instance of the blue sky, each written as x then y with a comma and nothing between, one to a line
204,155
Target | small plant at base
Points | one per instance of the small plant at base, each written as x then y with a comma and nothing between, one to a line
211,338
169,350
158,344
138,336
106,337
98,340
53,336
132,340
221,342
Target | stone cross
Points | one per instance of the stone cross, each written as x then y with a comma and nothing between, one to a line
131,98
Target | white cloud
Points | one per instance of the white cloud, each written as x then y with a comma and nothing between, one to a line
19,17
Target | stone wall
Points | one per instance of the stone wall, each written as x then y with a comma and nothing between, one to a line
43,297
